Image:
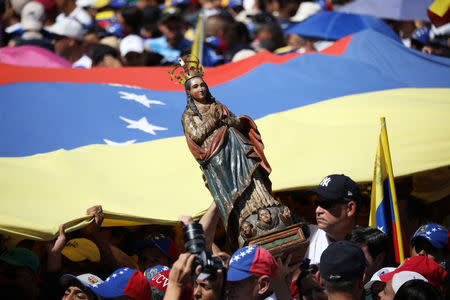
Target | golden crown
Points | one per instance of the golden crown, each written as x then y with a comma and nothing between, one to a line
186,69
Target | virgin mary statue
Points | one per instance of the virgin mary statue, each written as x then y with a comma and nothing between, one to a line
229,150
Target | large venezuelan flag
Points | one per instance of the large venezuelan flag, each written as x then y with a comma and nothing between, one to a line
73,138
384,213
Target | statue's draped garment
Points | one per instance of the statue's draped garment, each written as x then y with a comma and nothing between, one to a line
232,161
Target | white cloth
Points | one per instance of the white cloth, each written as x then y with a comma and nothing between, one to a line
78,14
84,62
318,242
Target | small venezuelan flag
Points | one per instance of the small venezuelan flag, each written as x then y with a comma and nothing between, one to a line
383,207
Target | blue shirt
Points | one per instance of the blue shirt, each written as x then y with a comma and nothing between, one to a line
160,45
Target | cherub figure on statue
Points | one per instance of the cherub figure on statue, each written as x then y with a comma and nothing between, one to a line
229,150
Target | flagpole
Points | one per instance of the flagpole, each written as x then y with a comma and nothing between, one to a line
197,45
387,155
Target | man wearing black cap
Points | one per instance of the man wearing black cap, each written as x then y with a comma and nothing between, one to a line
341,270
337,203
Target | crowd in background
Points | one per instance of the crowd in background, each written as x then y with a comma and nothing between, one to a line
112,33
342,261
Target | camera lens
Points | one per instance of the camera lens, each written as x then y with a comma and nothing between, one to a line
194,238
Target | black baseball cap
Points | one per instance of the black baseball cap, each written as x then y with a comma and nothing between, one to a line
334,187
170,13
342,260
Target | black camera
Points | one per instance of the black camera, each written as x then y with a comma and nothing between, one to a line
194,242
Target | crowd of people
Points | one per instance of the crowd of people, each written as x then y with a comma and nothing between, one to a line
343,261
113,33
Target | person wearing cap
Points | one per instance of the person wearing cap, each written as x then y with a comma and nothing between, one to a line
374,286
341,270
375,245
19,271
337,204
10,21
396,283
250,274
132,50
431,240
68,35
155,250
423,265
69,9
159,278
32,19
124,282
78,287
172,43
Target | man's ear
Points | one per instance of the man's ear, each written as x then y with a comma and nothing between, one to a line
351,208
318,278
263,284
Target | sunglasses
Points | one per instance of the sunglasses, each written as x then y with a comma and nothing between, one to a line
327,203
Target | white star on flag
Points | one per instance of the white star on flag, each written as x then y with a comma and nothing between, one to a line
114,275
434,229
121,272
142,99
381,228
428,232
142,124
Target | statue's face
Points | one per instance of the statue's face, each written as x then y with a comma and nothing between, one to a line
264,216
198,89
286,212
246,229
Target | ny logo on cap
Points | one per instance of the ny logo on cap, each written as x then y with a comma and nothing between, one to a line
325,181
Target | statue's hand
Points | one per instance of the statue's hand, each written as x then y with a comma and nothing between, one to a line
217,111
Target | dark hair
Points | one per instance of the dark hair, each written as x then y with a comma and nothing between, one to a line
132,17
234,34
417,289
190,103
375,240
100,51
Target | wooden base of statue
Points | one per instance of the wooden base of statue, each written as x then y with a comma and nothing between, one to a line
285,241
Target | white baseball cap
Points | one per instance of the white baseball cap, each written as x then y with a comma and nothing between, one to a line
376,276
402,277
67,27
32,16
305,10
131,43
